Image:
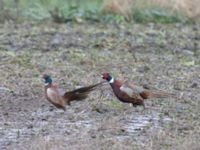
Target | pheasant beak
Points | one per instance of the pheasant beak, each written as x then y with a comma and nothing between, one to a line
42,78
98,74
101,75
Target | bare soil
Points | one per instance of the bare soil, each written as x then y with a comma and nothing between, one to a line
165,57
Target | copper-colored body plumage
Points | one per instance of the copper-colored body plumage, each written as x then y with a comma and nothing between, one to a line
130,93
60,98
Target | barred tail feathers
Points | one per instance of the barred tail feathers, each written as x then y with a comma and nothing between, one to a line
81,93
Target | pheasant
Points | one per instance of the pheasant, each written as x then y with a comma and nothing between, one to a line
60,98
130,93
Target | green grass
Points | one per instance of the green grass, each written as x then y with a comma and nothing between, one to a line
157,15
78,11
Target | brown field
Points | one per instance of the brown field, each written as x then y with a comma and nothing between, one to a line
165,57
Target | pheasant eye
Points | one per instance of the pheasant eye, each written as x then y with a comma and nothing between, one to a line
45,76
43,80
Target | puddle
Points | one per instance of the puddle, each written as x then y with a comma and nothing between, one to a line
46,123
140,122
20,132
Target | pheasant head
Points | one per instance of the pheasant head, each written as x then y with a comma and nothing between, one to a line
107,77
47,79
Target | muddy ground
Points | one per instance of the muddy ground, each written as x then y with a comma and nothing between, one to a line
165,57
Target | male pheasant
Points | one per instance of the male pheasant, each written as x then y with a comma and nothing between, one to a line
60,98
130,93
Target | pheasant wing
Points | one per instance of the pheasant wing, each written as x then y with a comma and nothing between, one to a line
130,91
130,95
81,93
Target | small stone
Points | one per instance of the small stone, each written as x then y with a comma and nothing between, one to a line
51,108
122,130
143,69
56,40
194,85
44,119
30,126
6,114
93,136
166,113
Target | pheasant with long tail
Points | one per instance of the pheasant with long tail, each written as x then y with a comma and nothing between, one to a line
130,93
60,98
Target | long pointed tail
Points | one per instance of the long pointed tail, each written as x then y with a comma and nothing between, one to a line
160,94
81,93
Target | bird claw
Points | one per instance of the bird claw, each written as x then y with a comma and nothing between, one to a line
143,108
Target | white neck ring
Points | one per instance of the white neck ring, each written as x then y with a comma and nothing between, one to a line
46,84
112,80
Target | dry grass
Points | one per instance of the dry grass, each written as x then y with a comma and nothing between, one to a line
101,121
117,6
158,140
191,8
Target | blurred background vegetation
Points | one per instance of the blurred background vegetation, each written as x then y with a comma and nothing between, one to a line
141,11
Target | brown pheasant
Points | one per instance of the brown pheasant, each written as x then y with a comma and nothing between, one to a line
60,98
130,93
